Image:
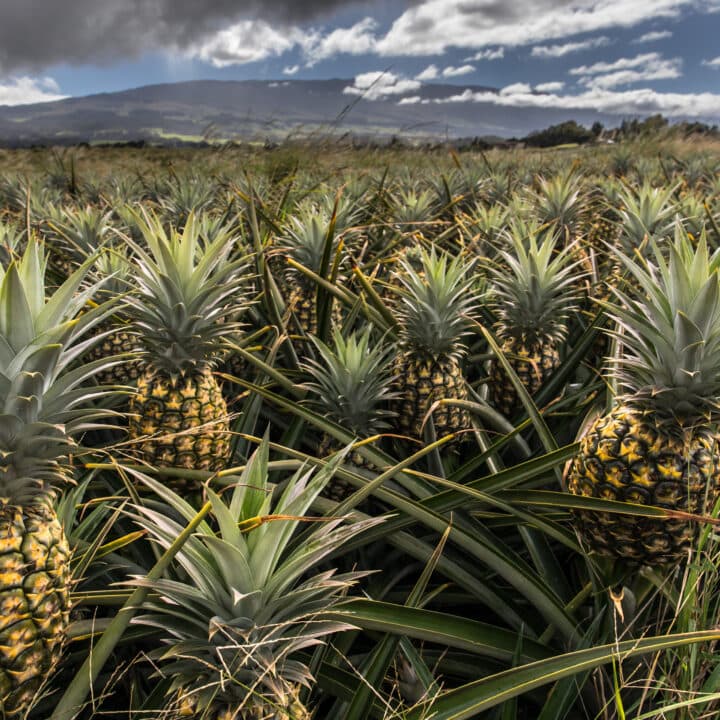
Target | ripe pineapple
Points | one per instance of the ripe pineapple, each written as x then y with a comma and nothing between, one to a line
433,313
187,295
659,444
305,241
241,602
42,401
113,267
535,291
352,386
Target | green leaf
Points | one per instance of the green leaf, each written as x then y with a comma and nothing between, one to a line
467,701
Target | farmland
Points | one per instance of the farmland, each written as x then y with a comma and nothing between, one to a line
382,433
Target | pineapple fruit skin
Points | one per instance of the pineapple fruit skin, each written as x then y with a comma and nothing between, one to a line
302,302
34,602
339,489
532,364
255,709
118,342
627,456
180,420
421,381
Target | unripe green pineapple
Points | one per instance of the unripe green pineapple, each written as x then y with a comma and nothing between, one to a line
659,444
434,311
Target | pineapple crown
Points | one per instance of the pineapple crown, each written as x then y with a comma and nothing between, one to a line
43,394
669,331
560,201
187,293
307,236
351,381
534,288
241,601
412,206
646,212
82,231
436,303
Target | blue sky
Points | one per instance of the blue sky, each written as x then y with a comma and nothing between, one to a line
617,56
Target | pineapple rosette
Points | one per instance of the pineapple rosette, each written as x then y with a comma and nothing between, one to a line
659,444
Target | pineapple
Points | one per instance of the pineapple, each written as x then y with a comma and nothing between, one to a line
351,384
535,291
433,313
241,602
659,444
560,202
73,235
113,266
42,411
305,241
186,297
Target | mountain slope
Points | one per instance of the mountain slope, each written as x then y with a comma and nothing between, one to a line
255,109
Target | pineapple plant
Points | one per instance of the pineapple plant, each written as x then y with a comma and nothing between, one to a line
74,234
352,386
305,242
560,202
243,600
44,409
113,267
534,293
434,311
658,445
186,296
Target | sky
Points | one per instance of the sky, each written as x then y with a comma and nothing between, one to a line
613,56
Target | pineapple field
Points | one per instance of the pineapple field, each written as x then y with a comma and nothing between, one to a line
360,434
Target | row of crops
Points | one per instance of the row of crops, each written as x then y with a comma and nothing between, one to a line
407,437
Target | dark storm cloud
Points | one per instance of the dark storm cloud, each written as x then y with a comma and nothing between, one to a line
37,33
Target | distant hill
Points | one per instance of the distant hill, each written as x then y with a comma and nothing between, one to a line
259,110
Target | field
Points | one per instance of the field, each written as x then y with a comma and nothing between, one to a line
396,434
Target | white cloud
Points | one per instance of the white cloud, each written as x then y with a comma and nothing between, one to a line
25,90
432,26
714,63
412,100
489,54
358,39
653,36
378,85
516,89
451,71
620,64
550,87
624,71
556,51
245,42
291,69
431,72
643,101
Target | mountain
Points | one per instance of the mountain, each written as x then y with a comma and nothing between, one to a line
260,110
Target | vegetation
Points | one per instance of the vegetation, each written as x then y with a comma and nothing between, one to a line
318,432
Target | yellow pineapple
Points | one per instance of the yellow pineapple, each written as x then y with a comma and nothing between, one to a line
434,311
42,409
187,295
659,444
